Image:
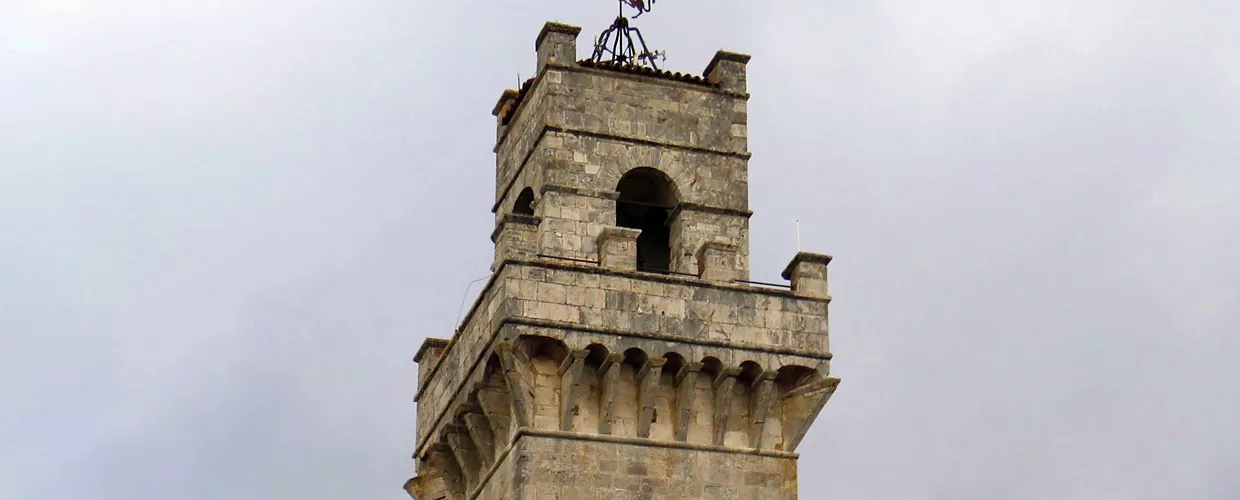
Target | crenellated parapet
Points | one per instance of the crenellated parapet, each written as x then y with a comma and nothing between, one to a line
611,353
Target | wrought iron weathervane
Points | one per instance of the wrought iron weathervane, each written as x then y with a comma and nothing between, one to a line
617,44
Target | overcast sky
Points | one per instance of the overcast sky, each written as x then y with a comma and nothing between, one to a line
225,227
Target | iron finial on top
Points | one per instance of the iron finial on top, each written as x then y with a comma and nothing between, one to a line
622,43
640,5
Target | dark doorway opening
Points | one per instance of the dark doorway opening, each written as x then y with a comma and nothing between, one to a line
647,199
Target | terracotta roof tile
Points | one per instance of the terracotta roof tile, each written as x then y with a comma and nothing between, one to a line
516,101
610,66
644,70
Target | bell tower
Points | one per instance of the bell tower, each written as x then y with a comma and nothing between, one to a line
619,349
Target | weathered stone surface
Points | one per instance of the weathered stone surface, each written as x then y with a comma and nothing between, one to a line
556,44
574,131
618,248
516,237
717,262
727,70
808,272
559,468
577,374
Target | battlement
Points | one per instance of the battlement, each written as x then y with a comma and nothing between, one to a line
569,347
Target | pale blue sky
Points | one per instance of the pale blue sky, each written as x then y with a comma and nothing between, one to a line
226,226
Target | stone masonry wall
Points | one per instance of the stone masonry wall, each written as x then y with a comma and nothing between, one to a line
587,470
693,227
684,309
585,103
523,132
571,223
577,130
581,306
453,368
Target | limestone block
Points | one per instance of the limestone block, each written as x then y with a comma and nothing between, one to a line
695,225
515,237
617,248
808,272
727,70
557,44
428,355
717,262
570,373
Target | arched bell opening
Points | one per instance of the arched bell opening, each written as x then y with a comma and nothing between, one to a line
647,199
525,203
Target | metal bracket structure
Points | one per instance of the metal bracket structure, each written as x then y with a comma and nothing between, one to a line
622,43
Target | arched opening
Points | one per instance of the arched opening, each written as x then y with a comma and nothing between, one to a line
674,363
525,203
712,367
635,357
598,353
792,376
539,347
647,199
749,373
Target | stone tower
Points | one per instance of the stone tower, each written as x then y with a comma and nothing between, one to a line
619,350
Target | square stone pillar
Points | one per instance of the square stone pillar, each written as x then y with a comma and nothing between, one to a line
502,108
727,70
717,262
516,237
557,44
617,248
808,272
427,355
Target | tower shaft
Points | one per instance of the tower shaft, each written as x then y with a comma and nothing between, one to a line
618,350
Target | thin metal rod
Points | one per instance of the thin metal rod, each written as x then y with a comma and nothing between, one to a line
645,204
774,285
570,259
465,296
